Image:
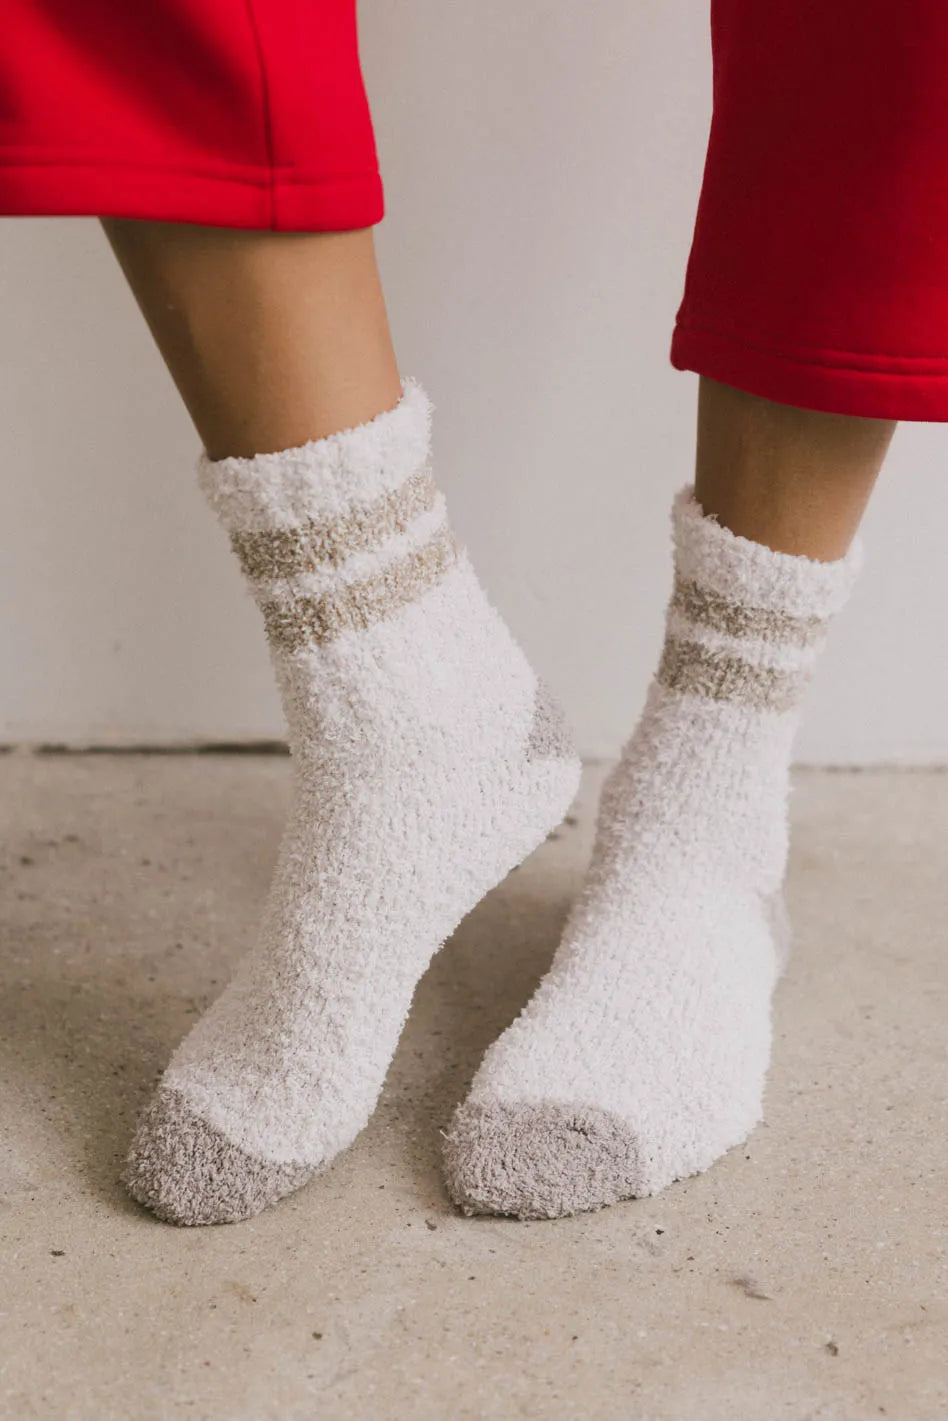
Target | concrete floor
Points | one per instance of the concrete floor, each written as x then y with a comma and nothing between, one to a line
803,1277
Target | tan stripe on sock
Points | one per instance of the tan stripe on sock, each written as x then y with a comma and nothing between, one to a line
720,614
286,552
694,670
295,621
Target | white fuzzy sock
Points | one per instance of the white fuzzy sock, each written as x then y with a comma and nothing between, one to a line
642,1056
428,762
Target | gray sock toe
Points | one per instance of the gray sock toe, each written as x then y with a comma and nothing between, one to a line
539,1161
187,1172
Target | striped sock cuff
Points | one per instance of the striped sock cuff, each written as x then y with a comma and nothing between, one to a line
745,624
340,533
324,478
274,553
743,571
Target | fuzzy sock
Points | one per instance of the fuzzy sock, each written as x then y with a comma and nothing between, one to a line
642,1056
428,762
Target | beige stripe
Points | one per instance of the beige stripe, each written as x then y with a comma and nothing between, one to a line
296,621
694,670
709,609
286,552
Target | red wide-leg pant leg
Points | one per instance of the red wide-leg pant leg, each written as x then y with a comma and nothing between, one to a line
818,275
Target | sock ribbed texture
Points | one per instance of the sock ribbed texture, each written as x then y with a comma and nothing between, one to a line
428,762
642,1056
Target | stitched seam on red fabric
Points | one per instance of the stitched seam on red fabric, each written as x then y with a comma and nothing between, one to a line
203,174
722,333
19,155
267,110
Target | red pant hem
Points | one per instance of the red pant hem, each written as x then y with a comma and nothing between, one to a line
824,382
276,201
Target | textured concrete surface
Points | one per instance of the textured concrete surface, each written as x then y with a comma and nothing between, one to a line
804,1277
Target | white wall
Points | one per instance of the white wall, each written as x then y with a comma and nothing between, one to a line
542,163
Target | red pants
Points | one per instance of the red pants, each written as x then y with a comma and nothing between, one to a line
236,113
818,276
819,270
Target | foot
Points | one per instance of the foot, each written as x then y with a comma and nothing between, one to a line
428,762
643,1055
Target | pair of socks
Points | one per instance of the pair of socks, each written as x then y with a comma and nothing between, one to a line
428,761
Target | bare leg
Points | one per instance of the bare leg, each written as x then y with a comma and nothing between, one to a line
795,480
272,338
